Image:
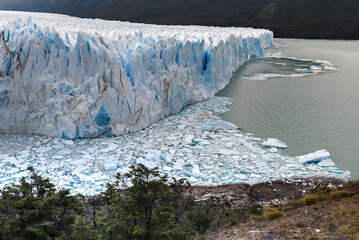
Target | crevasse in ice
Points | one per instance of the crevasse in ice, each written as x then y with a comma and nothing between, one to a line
79,78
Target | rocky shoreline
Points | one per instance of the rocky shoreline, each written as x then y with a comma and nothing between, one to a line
273,193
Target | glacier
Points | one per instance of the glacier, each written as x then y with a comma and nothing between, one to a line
68,77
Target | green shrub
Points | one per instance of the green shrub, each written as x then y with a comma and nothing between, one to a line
200,219
34,209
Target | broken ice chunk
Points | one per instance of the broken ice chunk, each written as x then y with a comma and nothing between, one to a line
167,168
197,173
327,163
200,116
14,160
110,148
193,180
110,166
315,157
68,142
187,139
273,142
43,149
154,156
150,164
273,150
225,151
178,166
215,126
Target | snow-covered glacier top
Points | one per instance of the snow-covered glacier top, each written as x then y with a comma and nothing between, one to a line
77,78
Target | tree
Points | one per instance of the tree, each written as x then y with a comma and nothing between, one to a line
34,209
142,204
200,219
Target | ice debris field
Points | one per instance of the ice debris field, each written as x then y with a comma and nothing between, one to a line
194,144
79,78
68,77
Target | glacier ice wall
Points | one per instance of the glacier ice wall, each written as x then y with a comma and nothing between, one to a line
80,78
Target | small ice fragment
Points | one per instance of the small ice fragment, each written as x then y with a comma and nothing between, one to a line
12,160
110,166
25,153
225,151
336,171
273,142
154,156
187,139
316,68
166,157
200,116
20,175
193,179
150,164
110,148
197,173
214,126
181,127
223,124
273,55
315,157
205,142
43,149
178,166
302,70
327,163
68,142
226,139
236,158
273,150
147,146
167,168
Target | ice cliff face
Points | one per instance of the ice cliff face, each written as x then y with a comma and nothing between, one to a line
78,78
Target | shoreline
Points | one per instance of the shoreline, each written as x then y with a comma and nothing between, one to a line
272,193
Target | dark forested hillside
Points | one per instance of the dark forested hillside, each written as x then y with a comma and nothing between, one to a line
330,19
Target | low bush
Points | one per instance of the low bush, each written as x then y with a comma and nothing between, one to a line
272,213
340,194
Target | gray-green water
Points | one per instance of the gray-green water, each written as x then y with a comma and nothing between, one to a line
310,113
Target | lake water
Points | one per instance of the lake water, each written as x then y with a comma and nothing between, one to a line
317,111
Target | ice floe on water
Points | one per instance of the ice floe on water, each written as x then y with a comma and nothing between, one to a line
273,142
194,144
275,65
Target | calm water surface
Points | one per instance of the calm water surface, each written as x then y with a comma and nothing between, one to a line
318,111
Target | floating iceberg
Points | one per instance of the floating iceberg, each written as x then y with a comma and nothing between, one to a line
315,157
215,126
80,78
273,142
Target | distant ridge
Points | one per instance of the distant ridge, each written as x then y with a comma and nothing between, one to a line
313,19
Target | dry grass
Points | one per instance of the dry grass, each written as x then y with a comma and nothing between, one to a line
272,213
325,214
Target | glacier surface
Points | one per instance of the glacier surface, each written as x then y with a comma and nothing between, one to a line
68,77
